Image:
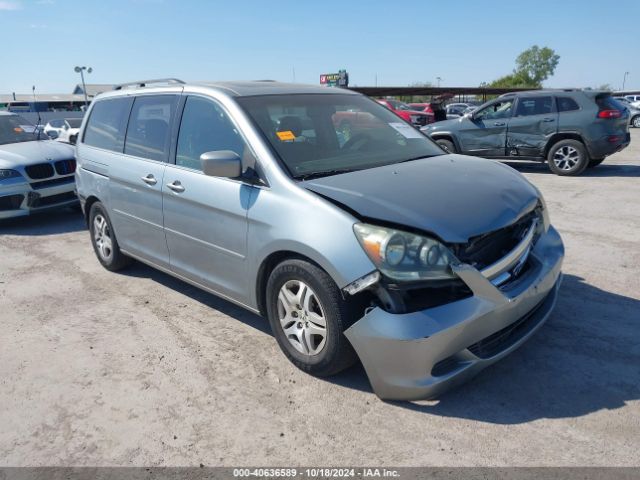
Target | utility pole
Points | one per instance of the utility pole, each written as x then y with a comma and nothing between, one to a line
624,80
81,70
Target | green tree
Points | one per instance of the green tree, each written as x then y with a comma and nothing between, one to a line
536,64
533,66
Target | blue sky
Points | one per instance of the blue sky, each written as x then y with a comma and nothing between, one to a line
400,42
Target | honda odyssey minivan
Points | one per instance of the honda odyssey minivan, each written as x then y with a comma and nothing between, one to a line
370,243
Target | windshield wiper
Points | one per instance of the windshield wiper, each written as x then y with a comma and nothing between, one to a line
324,173
415,158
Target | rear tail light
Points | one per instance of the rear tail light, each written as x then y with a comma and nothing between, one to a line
609,114
614,138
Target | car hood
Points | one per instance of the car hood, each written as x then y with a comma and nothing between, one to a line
454,197
29,153
443,125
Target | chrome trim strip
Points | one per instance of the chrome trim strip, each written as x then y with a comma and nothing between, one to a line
509,260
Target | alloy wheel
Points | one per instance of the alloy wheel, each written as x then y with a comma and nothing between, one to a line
566,158
302,317
102,237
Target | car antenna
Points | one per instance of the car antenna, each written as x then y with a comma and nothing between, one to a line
35,105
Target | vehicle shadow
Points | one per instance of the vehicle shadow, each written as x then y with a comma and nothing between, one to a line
52,222
210,300
584,359
602,170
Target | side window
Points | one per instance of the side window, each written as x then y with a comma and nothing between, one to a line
107,124
495,110
56,123
566,104
205,127
534,106
148,133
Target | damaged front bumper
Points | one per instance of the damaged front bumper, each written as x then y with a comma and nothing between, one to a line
419,355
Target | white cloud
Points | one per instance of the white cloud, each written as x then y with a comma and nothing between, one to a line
8,5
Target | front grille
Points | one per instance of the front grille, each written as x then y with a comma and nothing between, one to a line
503,339
40,170
11,202
53,199
65,167
483,250
52,182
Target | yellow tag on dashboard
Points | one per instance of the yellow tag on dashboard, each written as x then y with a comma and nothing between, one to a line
286,135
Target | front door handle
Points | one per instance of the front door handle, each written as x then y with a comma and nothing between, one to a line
149,179
548,120
176,186
499,124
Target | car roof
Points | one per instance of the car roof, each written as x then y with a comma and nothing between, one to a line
548,91
232,88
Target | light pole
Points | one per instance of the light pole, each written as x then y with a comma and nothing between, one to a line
81,70
438,79
624,80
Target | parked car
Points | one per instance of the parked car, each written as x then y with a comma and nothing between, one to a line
634,100
36,173
570,129
63,129
426,266
634,113
421,107
404,111
455,110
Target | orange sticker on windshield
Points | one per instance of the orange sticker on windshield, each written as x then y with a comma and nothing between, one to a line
18,130
286,135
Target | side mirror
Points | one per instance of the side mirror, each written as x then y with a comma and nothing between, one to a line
221,163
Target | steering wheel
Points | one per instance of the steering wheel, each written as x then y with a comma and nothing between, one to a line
357,141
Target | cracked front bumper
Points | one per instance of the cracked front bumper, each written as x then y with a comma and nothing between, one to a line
18,199
419,355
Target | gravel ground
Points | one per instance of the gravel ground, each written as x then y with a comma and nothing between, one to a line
137,368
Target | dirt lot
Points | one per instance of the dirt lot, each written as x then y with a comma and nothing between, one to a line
137,368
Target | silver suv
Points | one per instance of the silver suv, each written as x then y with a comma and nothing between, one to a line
367,243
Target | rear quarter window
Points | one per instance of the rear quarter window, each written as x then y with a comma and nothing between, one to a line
566,104
107,124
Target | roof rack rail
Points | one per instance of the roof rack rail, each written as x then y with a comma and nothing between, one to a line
144,83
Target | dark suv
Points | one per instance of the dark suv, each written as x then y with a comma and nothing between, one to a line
570,129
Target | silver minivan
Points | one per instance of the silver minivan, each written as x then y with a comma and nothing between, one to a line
352,232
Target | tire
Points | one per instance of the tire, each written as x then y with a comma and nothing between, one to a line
304,343
568,158
594,162
635,121
446,145
101,230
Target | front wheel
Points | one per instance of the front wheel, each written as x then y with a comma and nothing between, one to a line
568,158
446,145
635,121
308,316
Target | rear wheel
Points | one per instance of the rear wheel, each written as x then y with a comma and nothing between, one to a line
308,316
446,145
568,157
635,121
104,240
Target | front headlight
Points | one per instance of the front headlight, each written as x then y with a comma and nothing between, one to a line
4,174
405,256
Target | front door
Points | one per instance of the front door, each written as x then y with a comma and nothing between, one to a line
205,217
534,122
485,132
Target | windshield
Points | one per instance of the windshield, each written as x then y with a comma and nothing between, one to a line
14,129
317,135
74,122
